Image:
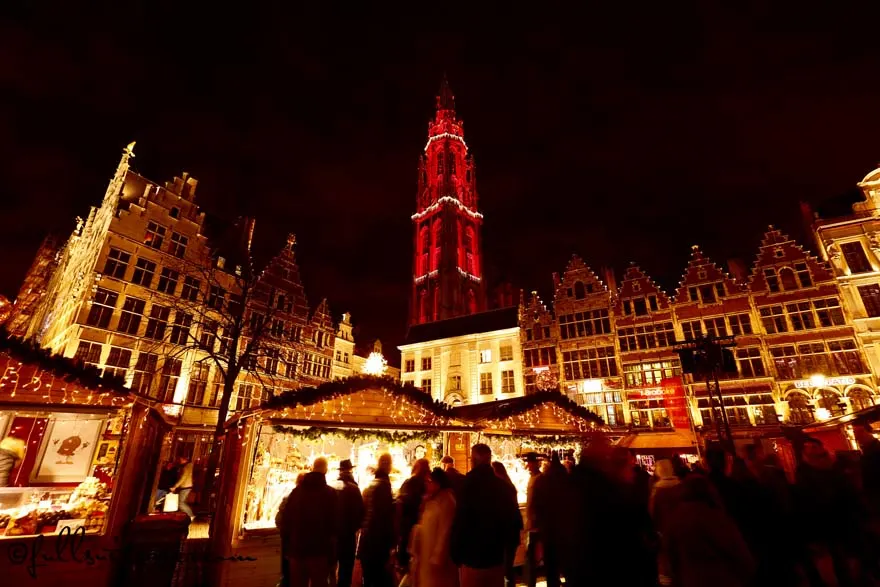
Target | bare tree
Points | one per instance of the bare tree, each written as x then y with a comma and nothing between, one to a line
247,325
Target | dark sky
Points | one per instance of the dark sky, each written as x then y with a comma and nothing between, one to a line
623,132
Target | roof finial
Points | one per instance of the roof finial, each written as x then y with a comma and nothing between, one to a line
445,99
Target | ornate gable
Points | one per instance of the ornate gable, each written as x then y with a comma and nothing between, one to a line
792,265
321,318
281,275
534,312
577,282
636,284
702,271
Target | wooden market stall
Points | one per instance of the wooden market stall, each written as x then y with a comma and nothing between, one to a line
265,449
73,430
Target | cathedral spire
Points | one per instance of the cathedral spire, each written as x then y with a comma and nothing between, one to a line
445,99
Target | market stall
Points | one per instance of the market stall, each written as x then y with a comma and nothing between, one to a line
267,449
541,422
65,427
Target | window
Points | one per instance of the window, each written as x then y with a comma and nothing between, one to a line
155,235
180,330
486,356
426,363
486,384
88,353
168,281
168,380
178,244
277,329
831,402
707,292
290,366
772,279
580,324
144,371
692,330
225,341
799,409
454,383
157,323
580,291
860,399
345,358
102,308
216,297
209,335
339,356
829,313
787,278
835,358
719,290
132,313
773,319
243,397
409,365
801,314
640,307
190,290
855,257
648,336
627,307
652,302
507,382
650,374
506,353
117,263
845,357
740,324
750,363
590,363
174,212
144,270
539,357
871,299
803,274
426,386
118,362
715,327
693,294
272,356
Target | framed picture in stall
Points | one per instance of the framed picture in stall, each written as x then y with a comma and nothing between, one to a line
67,450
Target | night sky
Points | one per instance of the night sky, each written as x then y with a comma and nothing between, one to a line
623,132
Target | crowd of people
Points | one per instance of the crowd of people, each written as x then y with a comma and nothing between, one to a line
732,521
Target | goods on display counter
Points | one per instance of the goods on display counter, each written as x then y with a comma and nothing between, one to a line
38,510
282,454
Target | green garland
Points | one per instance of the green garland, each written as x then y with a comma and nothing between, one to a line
539,440
355,434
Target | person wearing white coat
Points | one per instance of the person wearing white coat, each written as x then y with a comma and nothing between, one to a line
432,564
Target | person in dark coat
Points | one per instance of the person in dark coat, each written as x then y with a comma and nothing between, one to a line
310,521
456,479
409,504
167,478
351,516
486,524
502,474
377,533
551,498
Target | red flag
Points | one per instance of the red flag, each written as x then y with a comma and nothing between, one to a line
676,403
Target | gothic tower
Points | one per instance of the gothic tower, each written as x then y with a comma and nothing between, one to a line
447,263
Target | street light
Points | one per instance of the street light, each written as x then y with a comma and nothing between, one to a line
817,380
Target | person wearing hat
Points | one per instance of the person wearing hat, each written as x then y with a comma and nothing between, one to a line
11,452
351,516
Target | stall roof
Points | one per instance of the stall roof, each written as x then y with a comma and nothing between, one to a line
362,401
871,414
543,404
659,440
31,375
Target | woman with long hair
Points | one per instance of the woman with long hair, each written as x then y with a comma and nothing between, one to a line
431,564
501,473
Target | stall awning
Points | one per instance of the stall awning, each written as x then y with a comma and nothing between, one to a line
680,440
546,412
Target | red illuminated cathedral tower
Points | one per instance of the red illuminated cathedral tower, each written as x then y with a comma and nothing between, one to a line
447,265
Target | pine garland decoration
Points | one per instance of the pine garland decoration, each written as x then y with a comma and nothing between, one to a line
356,434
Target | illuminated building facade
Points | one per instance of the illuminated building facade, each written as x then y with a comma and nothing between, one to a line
447,261
127,297
34,285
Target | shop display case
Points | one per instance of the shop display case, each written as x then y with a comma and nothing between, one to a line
26,511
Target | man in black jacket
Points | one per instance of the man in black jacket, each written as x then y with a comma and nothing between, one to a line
351,514
377,534
310,521
486,524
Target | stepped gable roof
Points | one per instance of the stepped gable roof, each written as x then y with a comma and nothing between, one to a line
701,270
577,271
282,271
534,311
322,317
778,250
636,283
489,321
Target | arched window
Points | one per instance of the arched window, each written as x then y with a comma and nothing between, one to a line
579,291
799,410
860,399
424,306
424,249
831,402
435,255
472,301
788,280
452,164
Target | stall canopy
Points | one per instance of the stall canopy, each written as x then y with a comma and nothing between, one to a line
678,440
547,413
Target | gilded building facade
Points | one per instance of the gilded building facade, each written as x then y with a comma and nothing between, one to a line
141,291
